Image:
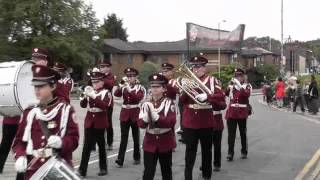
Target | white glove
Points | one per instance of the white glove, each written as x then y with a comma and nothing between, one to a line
55,142
21,164
155,116
95,70
144,117
91,94
236,82
202,97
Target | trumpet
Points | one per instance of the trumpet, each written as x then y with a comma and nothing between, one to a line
188,82
87,90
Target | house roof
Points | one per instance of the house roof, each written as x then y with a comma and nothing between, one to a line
254,52
119,46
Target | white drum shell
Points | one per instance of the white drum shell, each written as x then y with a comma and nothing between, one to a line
16,91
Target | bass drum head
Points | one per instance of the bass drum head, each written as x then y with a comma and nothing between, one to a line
24,91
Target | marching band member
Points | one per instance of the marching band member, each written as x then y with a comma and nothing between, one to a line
198,120
97,100
50,124
172,91
65,84
132,94
158,117
109,83
237,113
40,56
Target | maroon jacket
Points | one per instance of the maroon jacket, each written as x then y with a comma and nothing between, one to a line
163,142
97,111
172,90
64,88
239,100
11,120
132,98
69,141
221,104
109,81
201,118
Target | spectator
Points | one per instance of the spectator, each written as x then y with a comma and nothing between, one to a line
291,93
313,96
298,97
269,92
280,92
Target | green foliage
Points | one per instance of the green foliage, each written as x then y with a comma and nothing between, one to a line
146,70
269,71
315,46
226,73
113,28
66,27
263,42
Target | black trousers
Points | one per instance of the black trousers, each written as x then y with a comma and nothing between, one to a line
92,135
20,176
110,128
8,133
192,138
217,137
232,129
298,102
150,164
125,128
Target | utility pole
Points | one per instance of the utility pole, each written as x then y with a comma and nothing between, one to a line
282,68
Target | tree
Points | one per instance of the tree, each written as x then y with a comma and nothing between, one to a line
226,73
65,27
263,42
113,28
146,70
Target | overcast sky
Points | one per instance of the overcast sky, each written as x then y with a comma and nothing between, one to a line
164,20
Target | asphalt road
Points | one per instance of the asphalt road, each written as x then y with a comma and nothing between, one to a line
282,145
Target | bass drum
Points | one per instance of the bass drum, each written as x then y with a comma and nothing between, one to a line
16,91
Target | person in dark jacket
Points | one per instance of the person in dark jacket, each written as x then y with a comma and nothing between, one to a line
299,97
313,96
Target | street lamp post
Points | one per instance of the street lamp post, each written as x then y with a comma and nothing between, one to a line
219,48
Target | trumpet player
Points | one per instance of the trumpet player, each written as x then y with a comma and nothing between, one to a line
65,84
237,113
158,117
133,94
109,82
198,118
97,100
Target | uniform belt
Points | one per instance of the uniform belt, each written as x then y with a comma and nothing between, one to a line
239,105
130,106
95,110
197,106
42,153
157,131
216,112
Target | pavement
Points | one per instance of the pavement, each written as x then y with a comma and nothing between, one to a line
282,145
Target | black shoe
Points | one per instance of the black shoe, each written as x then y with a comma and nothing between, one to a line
180,132
244,156
182,141
136,162
110,147
102,172
80,173
200,168
216,168
230,157
119,163
1,171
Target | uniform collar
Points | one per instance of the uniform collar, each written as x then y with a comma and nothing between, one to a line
54,101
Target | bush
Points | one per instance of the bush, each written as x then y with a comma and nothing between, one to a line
146,70
226,73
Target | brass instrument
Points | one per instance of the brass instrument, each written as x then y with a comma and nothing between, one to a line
188,82
124,82
87,90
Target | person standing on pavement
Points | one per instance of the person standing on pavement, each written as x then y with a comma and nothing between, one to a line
133,94
109,83
280,92
237,113
65,84
198,119
49,125
97,100
172,92
299,99
313,96
158,117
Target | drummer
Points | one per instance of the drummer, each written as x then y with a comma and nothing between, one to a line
53,125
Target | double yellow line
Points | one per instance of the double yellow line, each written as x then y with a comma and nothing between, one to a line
315,158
